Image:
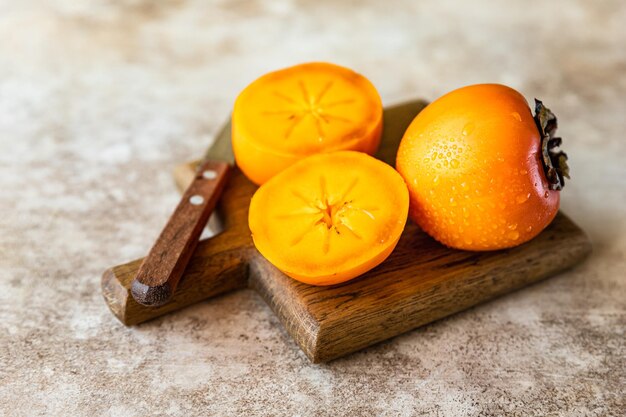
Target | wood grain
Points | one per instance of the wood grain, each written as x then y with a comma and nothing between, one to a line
420,282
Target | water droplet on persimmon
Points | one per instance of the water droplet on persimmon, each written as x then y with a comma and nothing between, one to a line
522,198
468,129
514,235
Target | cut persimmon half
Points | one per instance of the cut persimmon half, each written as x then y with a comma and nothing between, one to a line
329,217
302,110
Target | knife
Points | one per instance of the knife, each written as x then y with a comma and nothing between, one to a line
160,272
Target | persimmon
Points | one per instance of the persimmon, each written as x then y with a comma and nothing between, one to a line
329,217
298,111
483,172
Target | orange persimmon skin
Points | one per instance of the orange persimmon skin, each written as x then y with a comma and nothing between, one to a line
472,162
302,110
329,217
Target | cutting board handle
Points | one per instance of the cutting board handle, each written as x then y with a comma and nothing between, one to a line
161,270
219,265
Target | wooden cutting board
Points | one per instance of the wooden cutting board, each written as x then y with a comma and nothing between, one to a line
420,282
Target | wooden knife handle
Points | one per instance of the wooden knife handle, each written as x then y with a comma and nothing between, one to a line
161,270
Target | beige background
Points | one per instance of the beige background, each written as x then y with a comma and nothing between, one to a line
100,99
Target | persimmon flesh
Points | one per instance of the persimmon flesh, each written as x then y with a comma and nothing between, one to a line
298,111
330,217
482,172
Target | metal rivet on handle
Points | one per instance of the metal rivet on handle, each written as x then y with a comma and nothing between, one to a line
209,174
196,200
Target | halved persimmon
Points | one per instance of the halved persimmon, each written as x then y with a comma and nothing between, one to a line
298,111
330,217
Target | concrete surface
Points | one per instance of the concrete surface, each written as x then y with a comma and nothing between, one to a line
99,99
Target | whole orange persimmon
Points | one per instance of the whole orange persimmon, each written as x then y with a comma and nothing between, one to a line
483,172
